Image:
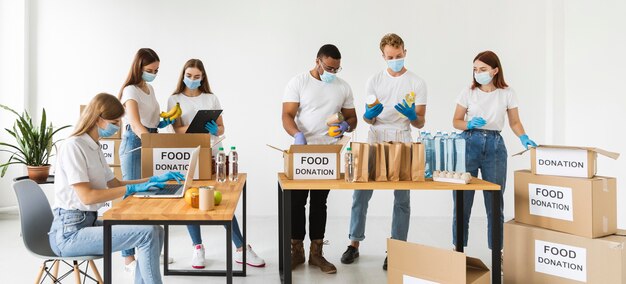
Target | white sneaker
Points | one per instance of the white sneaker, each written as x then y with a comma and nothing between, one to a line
197,260
169,259
130,268
252,258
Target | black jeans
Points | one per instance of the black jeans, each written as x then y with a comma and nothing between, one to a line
317,214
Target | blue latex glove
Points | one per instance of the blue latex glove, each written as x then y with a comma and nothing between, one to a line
343,127
139,187
526,142
165,122
406,110
168,176
476,122
299,139
211,127
372,112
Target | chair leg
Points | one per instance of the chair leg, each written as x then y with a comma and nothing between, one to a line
77,272
41,269
55,271
96,272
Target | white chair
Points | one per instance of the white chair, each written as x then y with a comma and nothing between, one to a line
36,219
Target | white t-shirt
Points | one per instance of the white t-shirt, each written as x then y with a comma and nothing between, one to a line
390,91
490,106
191,105
318,100
79,160
147,103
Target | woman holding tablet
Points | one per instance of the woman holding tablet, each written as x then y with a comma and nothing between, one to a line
193,93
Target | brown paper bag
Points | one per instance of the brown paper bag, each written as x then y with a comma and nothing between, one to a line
405,164
394,160
380,166
417,162
361,156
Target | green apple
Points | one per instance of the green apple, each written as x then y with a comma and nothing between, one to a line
218,197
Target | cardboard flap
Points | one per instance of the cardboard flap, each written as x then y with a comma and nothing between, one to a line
167,140
476,263
428,263
612,155
276,148
315,148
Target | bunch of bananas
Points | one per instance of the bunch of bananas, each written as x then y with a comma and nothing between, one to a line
174,113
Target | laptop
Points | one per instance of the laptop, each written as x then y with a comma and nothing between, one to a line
201,118
174,190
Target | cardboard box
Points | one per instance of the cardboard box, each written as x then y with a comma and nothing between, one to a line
313,162
414,263
536,255
117,135
117,172
165,152
579,206
565,160
111,150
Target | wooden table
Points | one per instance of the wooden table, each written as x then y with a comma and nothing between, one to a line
167,211
285,186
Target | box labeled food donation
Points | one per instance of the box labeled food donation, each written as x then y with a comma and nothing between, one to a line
538,255
317,162
411,263
579,206
161,153
568,161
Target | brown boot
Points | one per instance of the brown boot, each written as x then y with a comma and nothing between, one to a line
316,257
297,253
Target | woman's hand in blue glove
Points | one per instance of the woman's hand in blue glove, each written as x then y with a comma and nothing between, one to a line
139,187
178,177
211,127
165,122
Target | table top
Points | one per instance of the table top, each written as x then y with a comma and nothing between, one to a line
174,209
341,184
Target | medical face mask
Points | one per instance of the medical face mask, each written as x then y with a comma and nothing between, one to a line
192,84
396,65
148,77
327,77
108,131
483,78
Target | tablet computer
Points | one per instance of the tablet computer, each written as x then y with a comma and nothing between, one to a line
202,117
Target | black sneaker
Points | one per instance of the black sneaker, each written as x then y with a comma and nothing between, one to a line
385,264
349,255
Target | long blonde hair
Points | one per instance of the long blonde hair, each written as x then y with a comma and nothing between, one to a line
104,106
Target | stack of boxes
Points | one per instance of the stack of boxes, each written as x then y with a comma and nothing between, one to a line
111,148
565,227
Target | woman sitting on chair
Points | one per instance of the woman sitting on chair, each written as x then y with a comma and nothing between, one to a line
84,182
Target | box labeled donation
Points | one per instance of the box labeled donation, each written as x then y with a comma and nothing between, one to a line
566,160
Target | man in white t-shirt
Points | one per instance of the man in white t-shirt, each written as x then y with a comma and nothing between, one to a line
402,97
309,99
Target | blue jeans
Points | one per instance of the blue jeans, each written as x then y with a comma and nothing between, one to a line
130,162
78,233
485,150
196,237
401,214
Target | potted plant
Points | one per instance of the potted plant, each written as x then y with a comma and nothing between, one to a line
33,145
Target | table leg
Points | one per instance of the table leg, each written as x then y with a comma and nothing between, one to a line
229,252
287,236
280,231
495,237
166,267
245,243
107,252
459,221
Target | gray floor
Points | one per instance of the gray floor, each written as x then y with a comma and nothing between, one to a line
262,235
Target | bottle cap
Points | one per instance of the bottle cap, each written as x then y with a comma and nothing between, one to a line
349,149
232,147
220,149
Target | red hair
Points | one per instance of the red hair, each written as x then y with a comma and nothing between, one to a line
490,58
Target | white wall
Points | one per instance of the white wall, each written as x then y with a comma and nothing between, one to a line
252,48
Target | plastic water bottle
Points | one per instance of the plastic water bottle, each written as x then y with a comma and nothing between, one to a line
220,167
349,170
451,152
429,149
459,145
420,138
233,160
439,152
